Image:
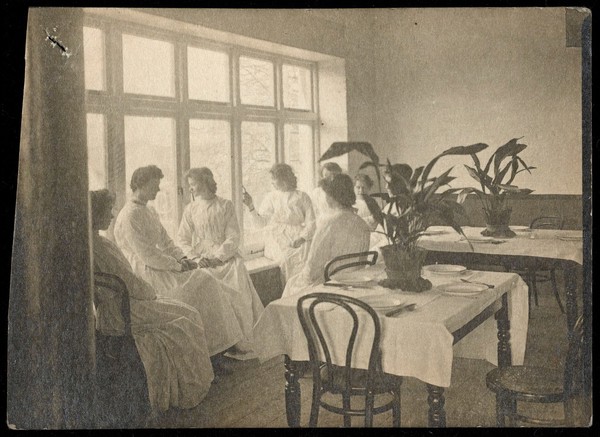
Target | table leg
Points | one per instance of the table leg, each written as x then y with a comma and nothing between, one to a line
292,393
436,401
503,324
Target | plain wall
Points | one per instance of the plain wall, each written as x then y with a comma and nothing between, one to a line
461,76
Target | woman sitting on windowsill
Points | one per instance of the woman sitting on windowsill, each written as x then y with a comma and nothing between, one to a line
288,218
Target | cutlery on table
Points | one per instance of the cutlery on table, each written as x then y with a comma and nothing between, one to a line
477,282
402,308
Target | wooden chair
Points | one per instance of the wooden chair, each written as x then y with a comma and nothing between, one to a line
122,390
546,272
349,260
539,384
345,380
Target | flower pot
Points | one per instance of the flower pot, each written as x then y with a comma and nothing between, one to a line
403,269
497,224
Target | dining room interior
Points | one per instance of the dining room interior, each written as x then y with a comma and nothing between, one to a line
109,90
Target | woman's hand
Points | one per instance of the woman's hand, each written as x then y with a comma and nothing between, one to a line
298,242
188,264
247,200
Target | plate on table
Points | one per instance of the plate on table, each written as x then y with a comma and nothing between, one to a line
445,269
381,301
520,228
351,278
570,237
433,230
463,289
489,240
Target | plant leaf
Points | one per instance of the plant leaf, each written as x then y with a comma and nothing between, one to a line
340,148
465,150
511,148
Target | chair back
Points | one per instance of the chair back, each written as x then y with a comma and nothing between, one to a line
317,341
574,360
547,222
348,261
116,284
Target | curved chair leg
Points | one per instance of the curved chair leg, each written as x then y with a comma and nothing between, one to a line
555,288
314,408
369,404
346,405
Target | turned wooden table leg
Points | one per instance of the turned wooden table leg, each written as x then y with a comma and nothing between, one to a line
436,400
503,324
292,393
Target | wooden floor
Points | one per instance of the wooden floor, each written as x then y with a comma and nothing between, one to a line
253,395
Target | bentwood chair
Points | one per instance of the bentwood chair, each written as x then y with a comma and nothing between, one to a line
344,379
347,261
540,385
537,272
122,390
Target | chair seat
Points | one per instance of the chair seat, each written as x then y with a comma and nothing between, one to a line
358,380
527,383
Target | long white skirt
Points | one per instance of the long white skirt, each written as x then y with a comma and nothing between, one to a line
209,296
169,336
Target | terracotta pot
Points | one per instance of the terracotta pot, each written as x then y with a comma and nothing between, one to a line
403,269
497,224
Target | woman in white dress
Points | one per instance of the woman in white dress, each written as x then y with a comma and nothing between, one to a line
169,334
317,195
288,218
155,258
365,205
210,235
340,233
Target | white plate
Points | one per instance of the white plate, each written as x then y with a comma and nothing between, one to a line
489,240
433,232
463,289
570,237
445,269
350,279
520,228
381,301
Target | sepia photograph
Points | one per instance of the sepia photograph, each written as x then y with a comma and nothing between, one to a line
282,218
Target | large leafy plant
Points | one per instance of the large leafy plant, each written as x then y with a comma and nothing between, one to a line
496,180
414,199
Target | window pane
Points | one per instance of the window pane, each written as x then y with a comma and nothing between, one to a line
298,143
258,155
257,84
151,140
148,66
208,75
210,146
297,87
93,58
96,146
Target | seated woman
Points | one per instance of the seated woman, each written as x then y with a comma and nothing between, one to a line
288,218
366,206
341,233
209,234
317,195
154,257
169,334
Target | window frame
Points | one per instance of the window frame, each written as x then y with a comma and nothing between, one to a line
115,104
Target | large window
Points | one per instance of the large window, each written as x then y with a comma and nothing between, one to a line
177,101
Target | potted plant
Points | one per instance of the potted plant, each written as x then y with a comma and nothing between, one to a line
413,203
496,181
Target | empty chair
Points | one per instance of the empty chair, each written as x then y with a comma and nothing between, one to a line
122,392
350,260
545,272
344,379
515,384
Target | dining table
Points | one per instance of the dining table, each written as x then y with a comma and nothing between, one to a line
537,249
472,314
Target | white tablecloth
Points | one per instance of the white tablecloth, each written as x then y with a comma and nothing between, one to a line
543,243
417,343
